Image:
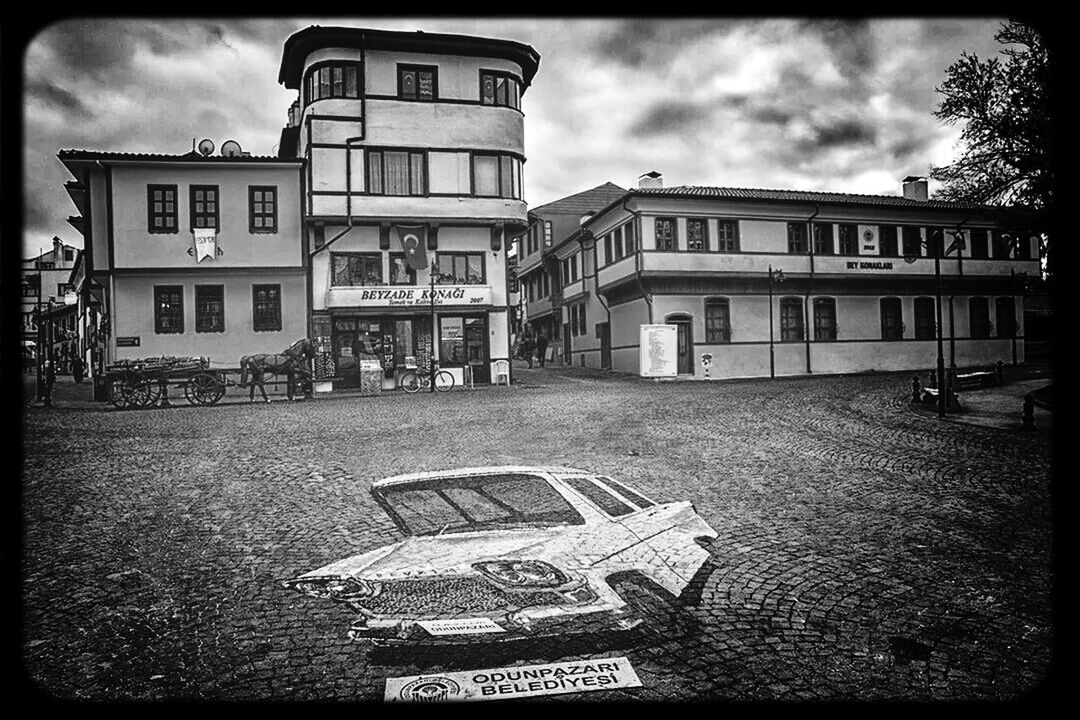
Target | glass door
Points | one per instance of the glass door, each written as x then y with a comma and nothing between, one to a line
476,350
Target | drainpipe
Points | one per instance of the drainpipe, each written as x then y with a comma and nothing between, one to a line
809,281
348,194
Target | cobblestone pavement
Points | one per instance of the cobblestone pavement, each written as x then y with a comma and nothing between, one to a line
866,552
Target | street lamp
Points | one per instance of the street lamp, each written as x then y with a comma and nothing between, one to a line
431,353
774,276
940,251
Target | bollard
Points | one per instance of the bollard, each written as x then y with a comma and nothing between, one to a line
1029,412
164,385
916,391
999,371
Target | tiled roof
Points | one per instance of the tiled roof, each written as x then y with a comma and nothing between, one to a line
728,193
585,201
161,157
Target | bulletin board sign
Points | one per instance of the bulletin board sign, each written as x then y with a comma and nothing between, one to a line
658,351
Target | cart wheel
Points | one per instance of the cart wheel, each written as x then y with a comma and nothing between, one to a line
410,382
204,389
444,381
141,393
118,393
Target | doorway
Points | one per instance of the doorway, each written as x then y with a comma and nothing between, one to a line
604,329
684,342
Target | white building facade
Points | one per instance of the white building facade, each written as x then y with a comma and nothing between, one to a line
773,282
414,148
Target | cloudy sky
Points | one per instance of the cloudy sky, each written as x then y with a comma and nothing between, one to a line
767,103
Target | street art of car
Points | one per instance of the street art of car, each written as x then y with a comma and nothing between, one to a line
503,553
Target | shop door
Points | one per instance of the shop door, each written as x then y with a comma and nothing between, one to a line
343,342
566,344
684,344
605,345
476,349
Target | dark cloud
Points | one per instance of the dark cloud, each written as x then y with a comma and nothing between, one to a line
908,149
635,42
843,133
771,114
667,118
852,44
50,94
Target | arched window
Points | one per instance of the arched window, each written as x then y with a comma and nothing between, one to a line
824,318
979,317
791,319
925,325
892,319
717,320
1006,317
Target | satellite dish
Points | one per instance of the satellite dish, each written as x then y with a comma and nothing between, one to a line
230,148
206,146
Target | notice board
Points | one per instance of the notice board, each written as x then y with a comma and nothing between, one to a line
658,354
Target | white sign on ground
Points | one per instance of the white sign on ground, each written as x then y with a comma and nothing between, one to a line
466,626
658,354
514,682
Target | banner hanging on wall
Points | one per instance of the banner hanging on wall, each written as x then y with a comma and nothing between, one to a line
205,243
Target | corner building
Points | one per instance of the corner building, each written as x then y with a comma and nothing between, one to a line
414,148
780,282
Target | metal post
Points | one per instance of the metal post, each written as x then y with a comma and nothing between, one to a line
772,358
40,352
431,353
942,391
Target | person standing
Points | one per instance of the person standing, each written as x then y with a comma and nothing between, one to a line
77,369
50,380
541,347
527,349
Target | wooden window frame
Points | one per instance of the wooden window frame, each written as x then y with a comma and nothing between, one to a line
674,240
727,244
847,239
985,330
891,248
925,324
200,326
888,303
792,332
718,333
253,214
825,332
513,89
159,291
403,68
367,257
466,256
704,234
798,243
150,214
194,217
410,153
259,321
408,270
821,230
312,87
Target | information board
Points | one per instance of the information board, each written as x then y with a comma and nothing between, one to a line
658,354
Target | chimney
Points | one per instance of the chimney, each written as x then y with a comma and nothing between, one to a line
58,251
915,188
651,180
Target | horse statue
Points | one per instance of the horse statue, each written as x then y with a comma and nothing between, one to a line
290,362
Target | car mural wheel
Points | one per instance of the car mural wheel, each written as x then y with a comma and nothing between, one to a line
662,614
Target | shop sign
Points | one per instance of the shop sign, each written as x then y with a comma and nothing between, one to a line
869,265
127,341
396,296
868,239
658,354
514,682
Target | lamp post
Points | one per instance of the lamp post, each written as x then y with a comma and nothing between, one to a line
1020,283
431,353
943,387
40,336
778,276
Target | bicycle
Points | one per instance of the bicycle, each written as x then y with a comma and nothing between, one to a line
415,380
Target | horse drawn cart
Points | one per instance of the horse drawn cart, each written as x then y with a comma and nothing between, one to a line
145,383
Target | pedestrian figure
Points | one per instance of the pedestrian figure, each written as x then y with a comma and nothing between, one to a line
50,379
527,349
77,369
541,347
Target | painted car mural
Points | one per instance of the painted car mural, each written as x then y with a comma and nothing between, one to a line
500,553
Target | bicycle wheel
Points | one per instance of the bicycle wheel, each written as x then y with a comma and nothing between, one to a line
410,382
444,381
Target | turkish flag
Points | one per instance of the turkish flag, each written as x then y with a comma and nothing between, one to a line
412,241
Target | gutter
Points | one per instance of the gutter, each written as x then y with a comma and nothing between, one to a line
809,281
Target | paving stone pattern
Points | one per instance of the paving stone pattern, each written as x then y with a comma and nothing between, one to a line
866,552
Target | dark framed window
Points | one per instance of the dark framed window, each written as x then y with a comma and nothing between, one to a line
355,269
205,208
582,323
978,241
497,175
979,317
912,240
396,172
628,238
618,235
332,80
892,319
69,254
1005,308
400,272
887,245
609,254
161,209
666,234
573,320
30,288
499,88
262,209
823,239
999,245
717,320
791,319
796,238
460,268
824,318
418,82
64,288
547,233
1023,246
209,308
266,307
727,236
925,322
697,235
600,497
848,239
168,309
935,242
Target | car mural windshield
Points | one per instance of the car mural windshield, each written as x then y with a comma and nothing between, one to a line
476,502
